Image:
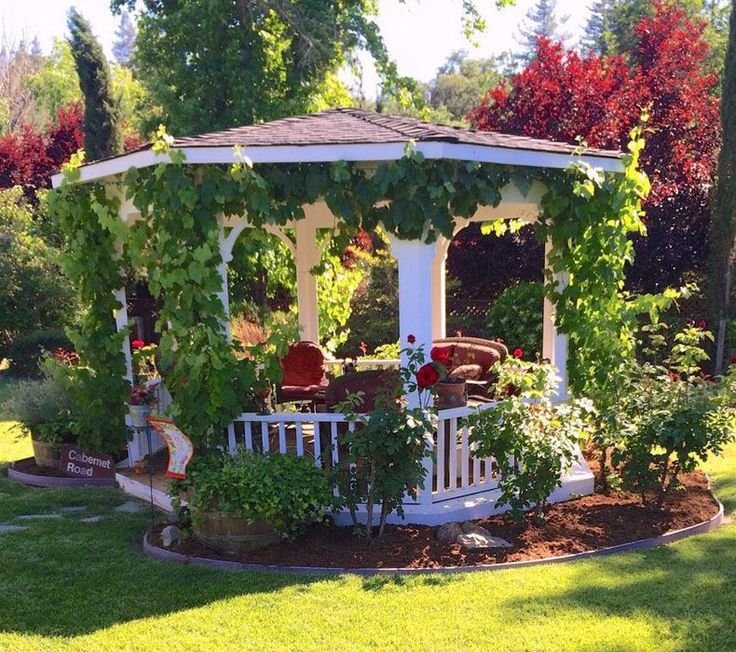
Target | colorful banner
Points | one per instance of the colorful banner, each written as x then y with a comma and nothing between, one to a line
180,446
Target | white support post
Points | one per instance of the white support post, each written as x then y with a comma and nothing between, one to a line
555,344
226,252
439,291
121,322
307,257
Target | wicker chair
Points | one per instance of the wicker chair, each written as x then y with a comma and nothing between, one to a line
303,377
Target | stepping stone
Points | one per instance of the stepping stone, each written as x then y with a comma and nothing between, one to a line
72,509
12,528
37,517
91,519
130,507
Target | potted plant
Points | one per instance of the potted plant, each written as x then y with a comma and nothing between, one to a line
140,405
143,394
450,390
248,500
45,410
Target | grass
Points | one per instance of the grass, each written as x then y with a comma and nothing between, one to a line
68,585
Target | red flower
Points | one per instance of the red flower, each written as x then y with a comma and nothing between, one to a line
733,360
691,323
518,353
137,344
441,354
411,339
702,324
363,348
427,376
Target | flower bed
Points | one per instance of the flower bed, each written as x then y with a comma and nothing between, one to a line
589,523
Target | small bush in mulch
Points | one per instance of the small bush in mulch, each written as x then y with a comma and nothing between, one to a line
588,523
28,465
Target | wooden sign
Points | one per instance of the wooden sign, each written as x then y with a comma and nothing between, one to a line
77,463
180,447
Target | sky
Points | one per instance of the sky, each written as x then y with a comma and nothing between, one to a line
419,34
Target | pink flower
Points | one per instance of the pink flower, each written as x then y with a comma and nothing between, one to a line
137,344
411,339
518,353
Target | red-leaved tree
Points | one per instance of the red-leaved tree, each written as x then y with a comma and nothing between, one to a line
561,95
29,157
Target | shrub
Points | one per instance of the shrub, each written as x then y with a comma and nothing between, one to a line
516,316
532,441
282,490
26,351
43,408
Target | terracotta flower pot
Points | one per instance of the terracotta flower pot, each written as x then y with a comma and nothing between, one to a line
45,454
232,534
451,394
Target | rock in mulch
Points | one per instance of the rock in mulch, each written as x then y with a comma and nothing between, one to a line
37,517
449,533
130,507
91,519
475,537
170,535
11,528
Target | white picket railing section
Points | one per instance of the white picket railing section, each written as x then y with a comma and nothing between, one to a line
454,472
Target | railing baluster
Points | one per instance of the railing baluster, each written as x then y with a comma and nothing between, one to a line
282,437
441,455
231,443
465,456
489,470
248,435
453,453
476,468
333,438
317,445
299,439
264,436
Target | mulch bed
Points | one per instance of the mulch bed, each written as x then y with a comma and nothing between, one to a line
28,465
587,523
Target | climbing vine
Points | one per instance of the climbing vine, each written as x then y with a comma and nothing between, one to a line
588,216
88,217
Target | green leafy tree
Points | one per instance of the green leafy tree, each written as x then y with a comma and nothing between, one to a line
723,219
34,294
101,114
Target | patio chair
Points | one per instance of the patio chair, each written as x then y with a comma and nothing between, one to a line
303,377
473,358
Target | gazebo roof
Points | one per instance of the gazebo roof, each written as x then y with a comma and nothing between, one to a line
358,135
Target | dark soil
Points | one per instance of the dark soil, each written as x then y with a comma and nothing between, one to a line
588,523
28,465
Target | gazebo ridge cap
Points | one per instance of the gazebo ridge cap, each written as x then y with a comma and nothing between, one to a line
348,134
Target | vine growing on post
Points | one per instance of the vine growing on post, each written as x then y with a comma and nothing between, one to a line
88,218
588,217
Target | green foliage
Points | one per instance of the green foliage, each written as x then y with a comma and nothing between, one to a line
26,351
516,316
34,294
101,115
44,408
336,286
532,441
88,218
282,490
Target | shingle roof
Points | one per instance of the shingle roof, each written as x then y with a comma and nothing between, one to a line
356,126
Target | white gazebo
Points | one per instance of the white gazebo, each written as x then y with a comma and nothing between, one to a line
368,138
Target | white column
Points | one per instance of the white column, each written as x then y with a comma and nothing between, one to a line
416,264
307,257
439,292
121,322
555,344
226,252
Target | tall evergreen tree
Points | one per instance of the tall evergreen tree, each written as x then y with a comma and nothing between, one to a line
723,219
541,21
101,132
124,45
597,29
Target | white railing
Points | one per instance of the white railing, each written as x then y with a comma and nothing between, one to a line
362,363
454,471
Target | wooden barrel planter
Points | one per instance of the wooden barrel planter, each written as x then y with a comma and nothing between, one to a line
232,534
45,454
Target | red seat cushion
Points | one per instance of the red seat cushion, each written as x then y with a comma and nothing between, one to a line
303,365
303,392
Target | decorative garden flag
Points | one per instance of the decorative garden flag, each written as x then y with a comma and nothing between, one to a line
180,447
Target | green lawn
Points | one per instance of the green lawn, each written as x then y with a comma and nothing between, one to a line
65,584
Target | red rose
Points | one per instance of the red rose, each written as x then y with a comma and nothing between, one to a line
411,339
690,323
137,344
518,353
702,324
427,376
733,360
441,354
